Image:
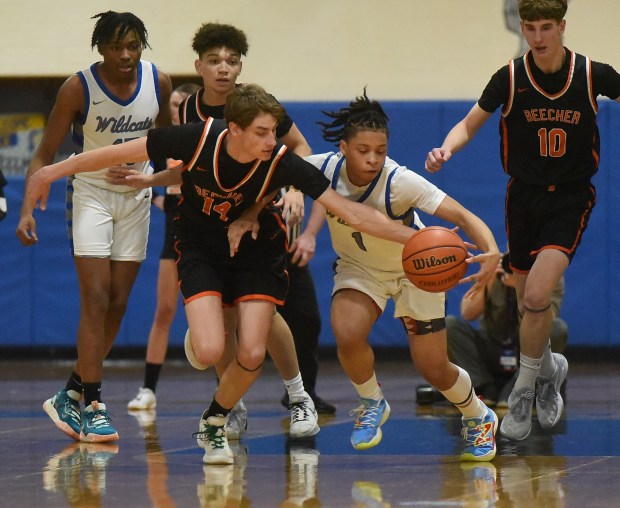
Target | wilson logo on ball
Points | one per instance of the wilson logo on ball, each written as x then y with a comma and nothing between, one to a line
434,259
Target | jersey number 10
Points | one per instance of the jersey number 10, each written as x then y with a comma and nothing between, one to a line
552,143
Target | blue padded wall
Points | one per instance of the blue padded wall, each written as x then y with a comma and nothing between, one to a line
39,294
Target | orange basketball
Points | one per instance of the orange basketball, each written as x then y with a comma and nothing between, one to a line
434,259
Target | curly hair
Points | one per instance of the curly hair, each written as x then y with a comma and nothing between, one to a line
214,35
362,114
113,26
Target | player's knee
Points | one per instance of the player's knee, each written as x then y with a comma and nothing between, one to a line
251,360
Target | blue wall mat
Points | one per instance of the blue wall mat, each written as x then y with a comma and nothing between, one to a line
39,286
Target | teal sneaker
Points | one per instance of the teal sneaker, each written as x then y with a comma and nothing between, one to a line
479,437
64,411
371,414
97,424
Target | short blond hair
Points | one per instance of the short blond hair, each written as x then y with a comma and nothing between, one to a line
248,101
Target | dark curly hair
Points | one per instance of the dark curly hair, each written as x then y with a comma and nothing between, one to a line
113,26
362,114
213,35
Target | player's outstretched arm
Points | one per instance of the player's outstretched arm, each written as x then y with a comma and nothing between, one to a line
365,219
38,185
457,138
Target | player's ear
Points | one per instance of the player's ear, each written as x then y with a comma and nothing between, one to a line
233,128
197,65
343,146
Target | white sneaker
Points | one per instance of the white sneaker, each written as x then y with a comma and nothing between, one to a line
303,417
212,438
189,353
144,400
237,421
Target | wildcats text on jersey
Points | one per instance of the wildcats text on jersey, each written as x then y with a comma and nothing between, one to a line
123,124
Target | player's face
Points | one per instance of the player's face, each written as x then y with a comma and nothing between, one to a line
219,69
176,99
544,36
122,55
258,140
365,154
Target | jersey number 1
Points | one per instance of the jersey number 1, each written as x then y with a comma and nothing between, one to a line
552,143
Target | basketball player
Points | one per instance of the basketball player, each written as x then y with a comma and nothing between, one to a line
167,279
111,102
550,150
228,167
369,271
220,49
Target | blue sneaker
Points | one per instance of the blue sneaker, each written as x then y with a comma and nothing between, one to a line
97,425
479,437
64,411
367,429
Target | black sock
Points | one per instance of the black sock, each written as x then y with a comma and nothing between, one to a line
92,391
74,383
215,410
151,375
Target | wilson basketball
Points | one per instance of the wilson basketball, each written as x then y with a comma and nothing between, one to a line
434,259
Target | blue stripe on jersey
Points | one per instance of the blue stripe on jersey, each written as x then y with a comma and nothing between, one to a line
337,172
109,94
371,187
388,204
326,162
82,116
156,84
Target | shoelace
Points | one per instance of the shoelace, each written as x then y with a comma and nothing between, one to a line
215,436
100,419
366,415
300,411
519,408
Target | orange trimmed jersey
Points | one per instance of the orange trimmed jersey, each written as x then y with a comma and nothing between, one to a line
548,129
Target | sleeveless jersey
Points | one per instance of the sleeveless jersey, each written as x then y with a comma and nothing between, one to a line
216,188
108,120
395,192
549,139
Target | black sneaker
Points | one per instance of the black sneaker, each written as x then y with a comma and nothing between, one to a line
322,407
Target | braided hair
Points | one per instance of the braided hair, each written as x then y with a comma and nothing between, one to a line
362,114
113,26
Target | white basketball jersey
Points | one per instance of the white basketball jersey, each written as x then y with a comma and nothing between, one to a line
395,192
108,120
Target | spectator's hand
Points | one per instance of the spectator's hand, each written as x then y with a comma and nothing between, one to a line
27,230
435,159
121,175
292,204
488,267
303,249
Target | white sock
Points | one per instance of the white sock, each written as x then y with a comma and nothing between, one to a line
369,389
295,386
528,372
463,396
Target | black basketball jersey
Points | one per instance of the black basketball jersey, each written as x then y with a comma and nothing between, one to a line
216,188
549,136
193,109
